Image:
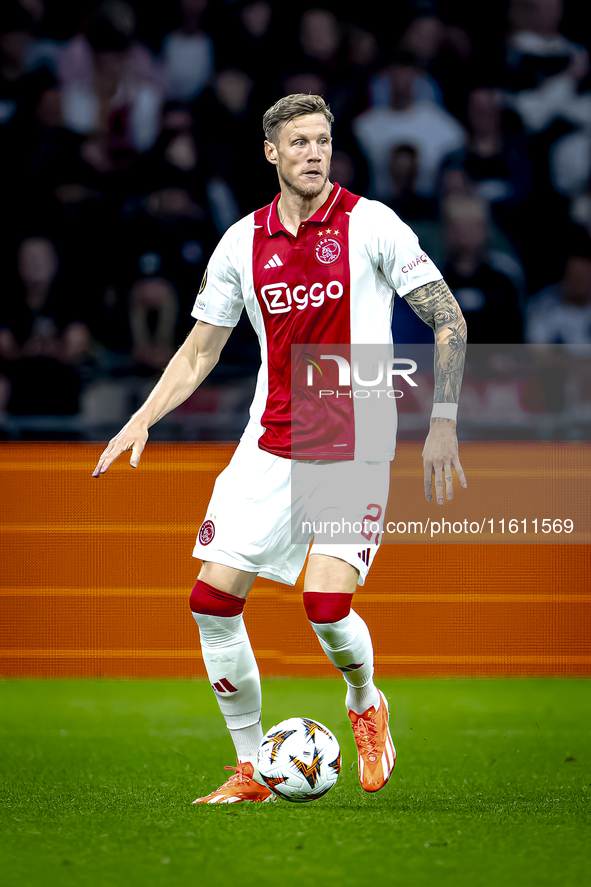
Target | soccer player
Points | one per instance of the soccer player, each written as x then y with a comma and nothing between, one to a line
319,266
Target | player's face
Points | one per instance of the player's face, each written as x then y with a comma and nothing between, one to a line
303,155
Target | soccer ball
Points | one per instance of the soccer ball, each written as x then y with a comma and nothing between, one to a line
299,759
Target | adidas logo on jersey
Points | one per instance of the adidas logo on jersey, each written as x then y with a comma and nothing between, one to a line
275,262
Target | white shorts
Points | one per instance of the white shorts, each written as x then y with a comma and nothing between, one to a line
265,510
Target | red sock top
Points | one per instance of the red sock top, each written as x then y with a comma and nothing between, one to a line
212,602
325,607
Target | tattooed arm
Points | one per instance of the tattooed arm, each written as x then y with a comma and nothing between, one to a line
436,306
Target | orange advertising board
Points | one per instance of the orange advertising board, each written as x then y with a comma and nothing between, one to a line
96,574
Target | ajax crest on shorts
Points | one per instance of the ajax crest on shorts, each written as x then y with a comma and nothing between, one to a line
207,532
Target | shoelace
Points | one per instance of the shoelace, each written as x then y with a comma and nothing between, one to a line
239,777
365,736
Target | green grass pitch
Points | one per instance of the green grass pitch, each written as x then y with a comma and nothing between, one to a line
491,787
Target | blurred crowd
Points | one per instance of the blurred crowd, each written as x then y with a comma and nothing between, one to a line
130,138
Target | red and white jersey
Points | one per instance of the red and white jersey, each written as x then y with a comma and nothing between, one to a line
331,284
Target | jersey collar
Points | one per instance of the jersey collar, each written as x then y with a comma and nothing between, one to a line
273,225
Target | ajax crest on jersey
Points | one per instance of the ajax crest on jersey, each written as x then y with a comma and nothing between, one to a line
299,759
327,251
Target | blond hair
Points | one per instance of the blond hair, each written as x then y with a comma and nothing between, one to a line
290,107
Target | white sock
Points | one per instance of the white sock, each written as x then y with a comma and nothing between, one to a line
347,643
246,743
234,676
359,699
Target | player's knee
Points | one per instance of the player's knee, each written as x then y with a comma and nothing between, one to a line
210,601
326,607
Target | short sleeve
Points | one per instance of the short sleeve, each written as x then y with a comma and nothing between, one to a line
398,253
219,299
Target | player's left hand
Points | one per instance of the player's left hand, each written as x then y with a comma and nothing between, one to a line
440,455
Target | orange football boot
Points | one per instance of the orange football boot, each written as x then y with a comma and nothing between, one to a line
377,754
239,787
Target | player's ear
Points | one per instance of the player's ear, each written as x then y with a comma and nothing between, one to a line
271,152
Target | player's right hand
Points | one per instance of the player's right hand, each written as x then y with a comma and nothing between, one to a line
132,436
